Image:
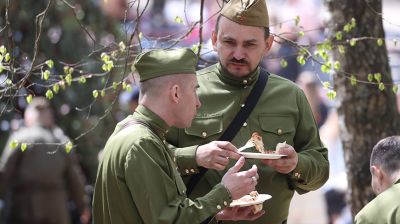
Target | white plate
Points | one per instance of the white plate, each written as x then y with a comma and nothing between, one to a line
257,155
260,199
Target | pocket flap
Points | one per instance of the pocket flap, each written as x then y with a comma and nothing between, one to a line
277,124
205,126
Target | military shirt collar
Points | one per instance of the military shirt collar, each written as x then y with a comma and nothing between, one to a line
244,81
157,124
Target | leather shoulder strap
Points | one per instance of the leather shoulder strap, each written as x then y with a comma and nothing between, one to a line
236,123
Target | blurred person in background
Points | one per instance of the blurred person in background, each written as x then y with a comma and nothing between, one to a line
38,180
385,172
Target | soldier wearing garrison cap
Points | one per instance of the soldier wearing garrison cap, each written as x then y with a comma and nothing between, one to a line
138,180
281,113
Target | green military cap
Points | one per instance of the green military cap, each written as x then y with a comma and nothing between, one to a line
247,12
160,62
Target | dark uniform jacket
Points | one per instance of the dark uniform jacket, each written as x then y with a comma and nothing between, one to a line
41,179
384,209
138,181
281,114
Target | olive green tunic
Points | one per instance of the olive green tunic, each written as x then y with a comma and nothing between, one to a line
281,114
138,181
384,209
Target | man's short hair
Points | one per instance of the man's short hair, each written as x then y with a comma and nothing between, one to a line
386,154
266,29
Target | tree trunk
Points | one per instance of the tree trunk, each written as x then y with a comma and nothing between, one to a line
367,114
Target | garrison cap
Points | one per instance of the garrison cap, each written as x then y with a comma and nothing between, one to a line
247,12
161,62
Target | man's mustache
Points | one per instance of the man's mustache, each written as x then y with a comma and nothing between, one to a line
241,61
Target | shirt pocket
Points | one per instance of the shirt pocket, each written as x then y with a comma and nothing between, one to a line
206,127
277,128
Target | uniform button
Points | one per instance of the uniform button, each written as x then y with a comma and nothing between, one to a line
192,170
219,206
186,171
279,131
245,81
175,159
244,124
297,175
225,203
204,134
242,105
183,191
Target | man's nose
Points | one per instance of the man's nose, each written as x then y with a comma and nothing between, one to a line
238,54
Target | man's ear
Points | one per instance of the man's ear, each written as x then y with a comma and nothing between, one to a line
377,172
175,93
214,39
268,42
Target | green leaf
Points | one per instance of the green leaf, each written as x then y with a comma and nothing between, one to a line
1,68
353,22
24,146
395,88
379,41
297,20
325,68
49,94
284,63
353,42
195,48
370,77
301,33
7,57
115,85
104,67
378,77
95,94
102,93
29,98
178,19
381,86
9,82
82,79
50,63
336,66
347,28
301,60
339,35
353,80
46,75
105,57
128,88
56,88
3,49
68,79
14,144
71,70
331,94
341,49
122,46
66,70
68,147
326,85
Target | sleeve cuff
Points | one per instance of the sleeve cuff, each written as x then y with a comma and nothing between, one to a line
298,174
186,160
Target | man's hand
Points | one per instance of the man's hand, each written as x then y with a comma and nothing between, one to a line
285,164
240,183
239,213
216,154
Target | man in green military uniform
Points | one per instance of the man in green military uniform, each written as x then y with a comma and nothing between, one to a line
282,113
138,180
39,180
385,172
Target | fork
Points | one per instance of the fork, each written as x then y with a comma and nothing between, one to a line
248,144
